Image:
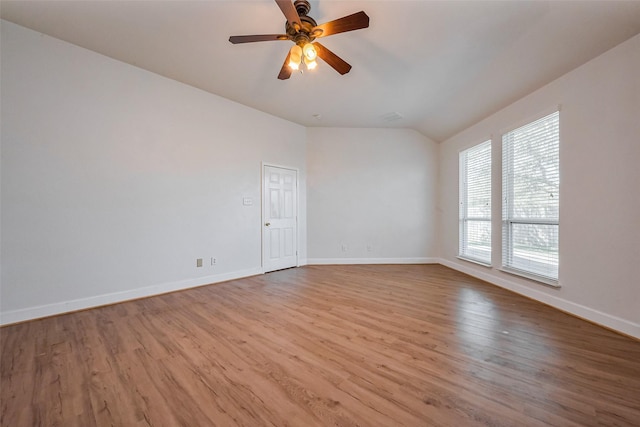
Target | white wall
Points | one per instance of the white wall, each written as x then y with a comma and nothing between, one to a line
374,191
114,179
599,194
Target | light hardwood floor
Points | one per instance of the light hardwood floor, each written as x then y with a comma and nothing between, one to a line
402,345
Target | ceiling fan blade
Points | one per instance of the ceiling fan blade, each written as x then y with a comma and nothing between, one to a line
285,71
257,38
290,12
356,21
332,59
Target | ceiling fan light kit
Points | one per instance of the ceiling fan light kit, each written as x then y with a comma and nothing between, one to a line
309,52
310,63
295,56
302,30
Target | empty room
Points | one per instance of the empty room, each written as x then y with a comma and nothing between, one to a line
319,213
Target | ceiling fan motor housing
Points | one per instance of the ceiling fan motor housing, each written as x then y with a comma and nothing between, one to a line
302,7
305,33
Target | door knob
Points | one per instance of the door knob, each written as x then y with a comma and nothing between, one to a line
267,224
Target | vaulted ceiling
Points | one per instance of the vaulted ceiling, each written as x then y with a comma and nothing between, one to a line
433,66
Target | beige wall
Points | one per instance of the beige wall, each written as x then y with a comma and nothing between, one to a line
373,191
599,196
114,179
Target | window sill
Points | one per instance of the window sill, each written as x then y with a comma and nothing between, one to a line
534,277
475,261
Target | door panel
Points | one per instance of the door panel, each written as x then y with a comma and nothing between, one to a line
289,243
280,232
274,236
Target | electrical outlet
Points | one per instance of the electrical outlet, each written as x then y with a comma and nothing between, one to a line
344,248
199,262
213,261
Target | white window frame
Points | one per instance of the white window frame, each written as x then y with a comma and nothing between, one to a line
528,267
466,158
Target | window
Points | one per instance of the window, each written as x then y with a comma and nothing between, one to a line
530,191
475,203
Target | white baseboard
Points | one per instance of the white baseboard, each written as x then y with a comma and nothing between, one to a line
607,320
336,261
31,313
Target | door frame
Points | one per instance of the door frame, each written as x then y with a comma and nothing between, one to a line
264,164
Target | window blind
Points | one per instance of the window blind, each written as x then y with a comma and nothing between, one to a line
475,203
531,202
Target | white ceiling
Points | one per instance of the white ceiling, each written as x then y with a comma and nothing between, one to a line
442,65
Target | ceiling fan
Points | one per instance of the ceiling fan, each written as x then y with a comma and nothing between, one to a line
302,30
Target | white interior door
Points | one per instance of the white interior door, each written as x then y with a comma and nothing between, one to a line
280,218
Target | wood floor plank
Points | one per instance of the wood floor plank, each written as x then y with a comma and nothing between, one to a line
362,345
